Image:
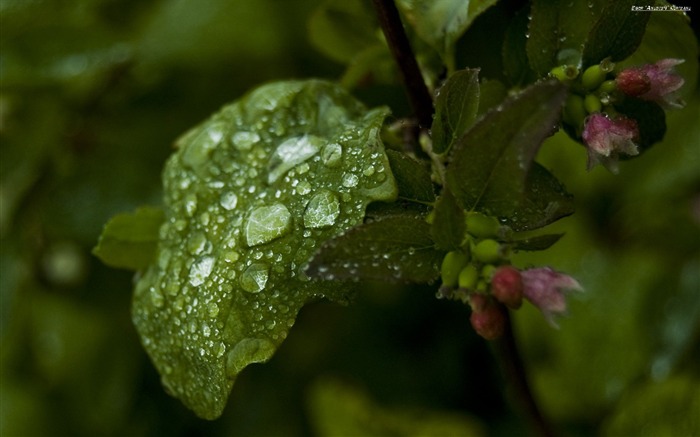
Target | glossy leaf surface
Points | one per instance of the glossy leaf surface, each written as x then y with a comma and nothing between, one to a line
249,196
456,106
489,165
412,178
397,248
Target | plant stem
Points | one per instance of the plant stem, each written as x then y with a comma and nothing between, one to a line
418,94
516,376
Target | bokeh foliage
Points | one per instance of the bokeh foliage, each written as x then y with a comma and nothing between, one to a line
94,92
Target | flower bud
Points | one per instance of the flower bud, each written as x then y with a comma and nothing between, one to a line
607,138
547,289
489,320
592,103
487,251
507,286
654,82
452,264
482,226
468,277
592,77
633,82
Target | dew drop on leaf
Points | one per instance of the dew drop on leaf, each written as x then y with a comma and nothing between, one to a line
322,210
254,278
267,223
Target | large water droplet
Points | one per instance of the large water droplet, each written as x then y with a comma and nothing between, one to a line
350,180
254,279
201,270
244,140
196,243
247,351
332,155
267,223
290,153
198,151
322,210
212,309
229,201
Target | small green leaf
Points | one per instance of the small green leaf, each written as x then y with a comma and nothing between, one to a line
456,105
545,201
539,242
618,31
341,30
129,241
448,225
412,178
249,196
491,94
440,23
650,117
397,248
558,30
488,166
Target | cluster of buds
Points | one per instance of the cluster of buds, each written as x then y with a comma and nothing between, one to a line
480,275
590,106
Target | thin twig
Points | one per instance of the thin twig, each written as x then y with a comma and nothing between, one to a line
418,94
516,377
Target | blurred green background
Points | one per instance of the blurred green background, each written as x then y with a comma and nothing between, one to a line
93,94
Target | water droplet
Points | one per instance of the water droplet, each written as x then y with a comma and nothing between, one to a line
212,309
248,351
231,256
229,201
304,187
322,210
350,180
291,153
254,278
206,330
196,243
198,151
201,270
244,140
369,171
267,223
190,204
156,297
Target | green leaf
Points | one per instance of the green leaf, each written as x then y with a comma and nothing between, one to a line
412,178
342,29
650,117
129,241
249,196
397,249
545,201
488,166
514,51
449,224
539,242
618,31
440,23
456,105
491,94
557,32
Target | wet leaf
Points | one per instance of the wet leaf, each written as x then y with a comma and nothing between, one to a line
545,201
412,177
396,248
440,23
489,165
558,30
514,51
449,224
539,242
617,32
456,106
249,196
129,241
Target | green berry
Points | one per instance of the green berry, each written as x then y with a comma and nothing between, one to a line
564,73
592,103
452,264
592,77
574,111
468,277
487,271
482,226
607,86
487,251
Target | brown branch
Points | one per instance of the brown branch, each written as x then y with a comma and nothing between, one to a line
516,377
418,94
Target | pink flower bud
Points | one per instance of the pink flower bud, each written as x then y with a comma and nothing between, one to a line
655,82
490,320
547,289
507,286
607,138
